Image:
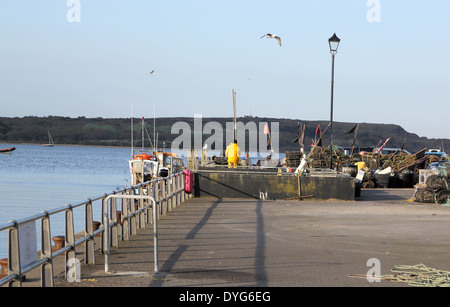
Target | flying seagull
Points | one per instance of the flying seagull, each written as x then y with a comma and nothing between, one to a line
150,73
273,36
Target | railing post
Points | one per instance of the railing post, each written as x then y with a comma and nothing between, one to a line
174,192
14,255
141,205
46,252
169,194
70,238
102,238
163,196
178,190
155,237
106,245
183,191
156,197
120,219
133,221
114,227
148,212
126,222
89,247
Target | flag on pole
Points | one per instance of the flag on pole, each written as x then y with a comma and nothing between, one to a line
352,130
403,145
269,141
384,144
300,135
355,130
234,113
317,138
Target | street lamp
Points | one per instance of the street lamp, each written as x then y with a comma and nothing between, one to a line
334,44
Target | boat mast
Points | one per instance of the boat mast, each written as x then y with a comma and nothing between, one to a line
154,128
50,140
234,113
132,148
143,126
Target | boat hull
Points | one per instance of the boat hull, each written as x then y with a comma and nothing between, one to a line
7,150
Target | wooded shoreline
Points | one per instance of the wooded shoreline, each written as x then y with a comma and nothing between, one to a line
112,132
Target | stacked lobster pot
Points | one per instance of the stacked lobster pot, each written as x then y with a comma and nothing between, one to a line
293,158
434,185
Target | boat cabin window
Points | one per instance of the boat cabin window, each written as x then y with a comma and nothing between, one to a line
167,161
148,167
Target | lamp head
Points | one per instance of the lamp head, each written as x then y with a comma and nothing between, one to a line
334,43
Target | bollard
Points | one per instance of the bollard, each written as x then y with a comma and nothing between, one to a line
96,226
119,217
59,243
4,267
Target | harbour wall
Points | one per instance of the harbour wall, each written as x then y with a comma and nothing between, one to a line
271,185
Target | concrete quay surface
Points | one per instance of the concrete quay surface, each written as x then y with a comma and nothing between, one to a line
209,242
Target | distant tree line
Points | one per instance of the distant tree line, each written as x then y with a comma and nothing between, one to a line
117,132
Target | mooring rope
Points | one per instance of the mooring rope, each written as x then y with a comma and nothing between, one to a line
418,275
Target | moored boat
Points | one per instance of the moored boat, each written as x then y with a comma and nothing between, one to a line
7,150
50,141
151,165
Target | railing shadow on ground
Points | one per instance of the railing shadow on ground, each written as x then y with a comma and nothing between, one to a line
213,274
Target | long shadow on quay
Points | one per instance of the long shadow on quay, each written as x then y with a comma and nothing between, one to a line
260,276
175,256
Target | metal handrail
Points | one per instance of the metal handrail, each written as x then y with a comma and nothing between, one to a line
155,225
172,193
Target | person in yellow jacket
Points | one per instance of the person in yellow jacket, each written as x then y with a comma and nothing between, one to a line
232,153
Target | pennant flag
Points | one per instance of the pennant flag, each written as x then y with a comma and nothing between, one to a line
352,130
384,144
300,134
267,132
269,142
403,145
317,138
375,148
301,139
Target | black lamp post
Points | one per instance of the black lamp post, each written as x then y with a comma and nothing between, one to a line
334,44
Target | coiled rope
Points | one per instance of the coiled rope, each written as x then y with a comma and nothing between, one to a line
418,275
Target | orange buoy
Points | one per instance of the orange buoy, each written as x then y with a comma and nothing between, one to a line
143,156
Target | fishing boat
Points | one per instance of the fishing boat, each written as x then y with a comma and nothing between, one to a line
152,164
50,141
7,150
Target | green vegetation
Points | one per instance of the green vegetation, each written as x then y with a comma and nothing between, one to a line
116,132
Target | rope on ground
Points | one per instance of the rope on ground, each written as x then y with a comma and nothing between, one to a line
417,275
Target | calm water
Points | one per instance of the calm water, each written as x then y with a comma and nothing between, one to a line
36,178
